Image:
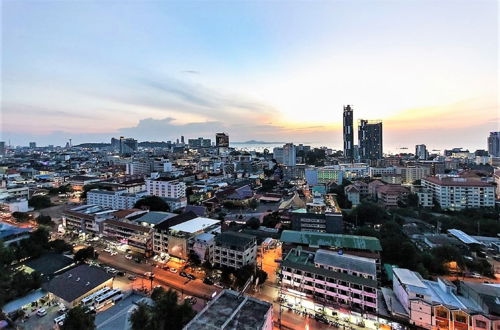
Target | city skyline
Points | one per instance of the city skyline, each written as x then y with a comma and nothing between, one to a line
154,71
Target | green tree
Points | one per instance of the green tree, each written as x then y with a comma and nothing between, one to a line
60,246
253,223
39,202
140,318
78,319
153,203
84,254
21,216
44,220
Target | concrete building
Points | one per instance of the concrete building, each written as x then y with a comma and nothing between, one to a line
166,188
119,200
318,282
330,174
199,143
234,250
348,133
353,194
456,193
494,144
410,174
289,155
390,194
421,151
381,171
138,168
424,196
370,139
137,237
235,311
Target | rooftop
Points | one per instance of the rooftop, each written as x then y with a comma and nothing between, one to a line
456,181
177,219
234,239
77,282
463,237
195,225
346,261
155,217
232,311
316,239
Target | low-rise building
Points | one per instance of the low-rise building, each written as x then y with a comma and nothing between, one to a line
456,193
390,194
166,188
234,250
233,310
119,200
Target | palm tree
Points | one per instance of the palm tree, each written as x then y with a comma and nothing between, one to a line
140,318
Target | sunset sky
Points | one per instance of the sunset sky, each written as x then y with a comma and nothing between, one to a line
263,70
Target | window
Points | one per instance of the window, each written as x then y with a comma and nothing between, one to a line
460,318
480,324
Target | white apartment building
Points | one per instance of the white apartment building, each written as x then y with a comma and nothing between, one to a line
424,197
456,193
317,281
138,168
163,188
118,200
381,171
234,250
411,173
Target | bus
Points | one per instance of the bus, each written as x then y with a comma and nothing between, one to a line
89,300
60,319
107,298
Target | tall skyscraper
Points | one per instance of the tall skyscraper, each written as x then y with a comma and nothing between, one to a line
348,133
2,148
370,139
421,151
125,146
494,144
289,155
32,145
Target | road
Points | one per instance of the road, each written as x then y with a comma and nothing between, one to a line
163,277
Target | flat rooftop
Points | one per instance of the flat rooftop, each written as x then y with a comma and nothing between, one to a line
195,225
316,239
230,310
346,261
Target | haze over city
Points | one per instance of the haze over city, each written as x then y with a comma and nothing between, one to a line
270,71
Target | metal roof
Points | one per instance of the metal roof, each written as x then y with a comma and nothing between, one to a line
346,261
195,225
463,236
331,240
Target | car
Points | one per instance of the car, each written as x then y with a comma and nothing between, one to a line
173,270
475,275
120,273
62,310
191,277
111,270
128,256
218,285
137,260
41,312
149,274
208,281
183,274
132,277
107,250
114,253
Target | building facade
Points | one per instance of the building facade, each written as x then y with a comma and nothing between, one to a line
348,132
370,139
166,188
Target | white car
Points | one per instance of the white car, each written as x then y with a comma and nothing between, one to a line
149,274
173,270
114,253
41,312
128,256
107,250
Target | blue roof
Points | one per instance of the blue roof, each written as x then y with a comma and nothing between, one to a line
155,217
8,230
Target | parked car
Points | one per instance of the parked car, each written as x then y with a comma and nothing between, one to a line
128,256
62,310
132,277
208,281
475,275
114,253
41,312
120,273
183,274
191,277
107,250
173,270
149,274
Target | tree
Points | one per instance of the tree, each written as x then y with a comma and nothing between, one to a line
141,317
194,258
367,212
60,246
153,203
253,223
44,220
253,203
84,254
21,216
79,318
412,200
39,202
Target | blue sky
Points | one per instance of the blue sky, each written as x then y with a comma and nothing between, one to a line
266,70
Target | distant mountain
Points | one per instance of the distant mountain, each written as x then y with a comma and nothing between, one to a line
256,142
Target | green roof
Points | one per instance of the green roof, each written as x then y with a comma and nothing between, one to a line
317,239
303,262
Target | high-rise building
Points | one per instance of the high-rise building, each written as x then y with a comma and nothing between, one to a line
348,133
421,151
199,143
222,140
289,155
494,144
2,148
182,139
370,139
124,145
32,145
